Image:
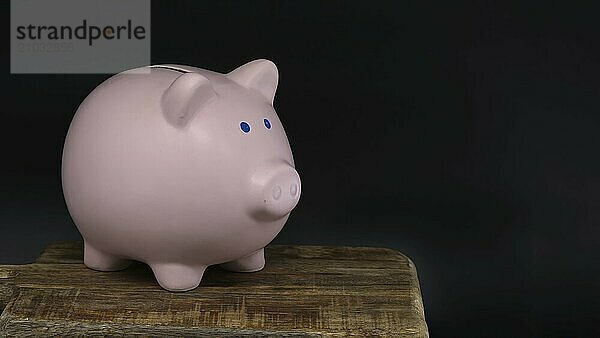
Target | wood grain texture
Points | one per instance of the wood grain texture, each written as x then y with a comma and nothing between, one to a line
302,291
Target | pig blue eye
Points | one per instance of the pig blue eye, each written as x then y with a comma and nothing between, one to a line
245,127
267,123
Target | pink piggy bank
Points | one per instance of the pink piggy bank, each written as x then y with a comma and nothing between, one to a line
180,168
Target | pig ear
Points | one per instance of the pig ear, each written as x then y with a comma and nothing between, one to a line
260,75
184,97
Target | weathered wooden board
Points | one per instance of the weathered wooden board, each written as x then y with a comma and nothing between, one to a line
302,291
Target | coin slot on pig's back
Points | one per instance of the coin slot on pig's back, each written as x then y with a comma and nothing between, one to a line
177,69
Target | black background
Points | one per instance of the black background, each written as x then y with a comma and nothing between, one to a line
463,134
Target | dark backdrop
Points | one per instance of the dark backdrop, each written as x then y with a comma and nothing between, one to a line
464,135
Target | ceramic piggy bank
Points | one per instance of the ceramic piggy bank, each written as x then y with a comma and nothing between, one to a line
180,168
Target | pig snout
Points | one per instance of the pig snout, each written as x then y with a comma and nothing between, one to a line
276,190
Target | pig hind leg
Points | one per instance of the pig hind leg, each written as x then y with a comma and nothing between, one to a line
102,261
178,277
250,263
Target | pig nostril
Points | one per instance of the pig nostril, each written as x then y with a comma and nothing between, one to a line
276,192
293,189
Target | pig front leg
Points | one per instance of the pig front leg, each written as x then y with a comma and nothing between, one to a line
102,261
178,277
250,263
